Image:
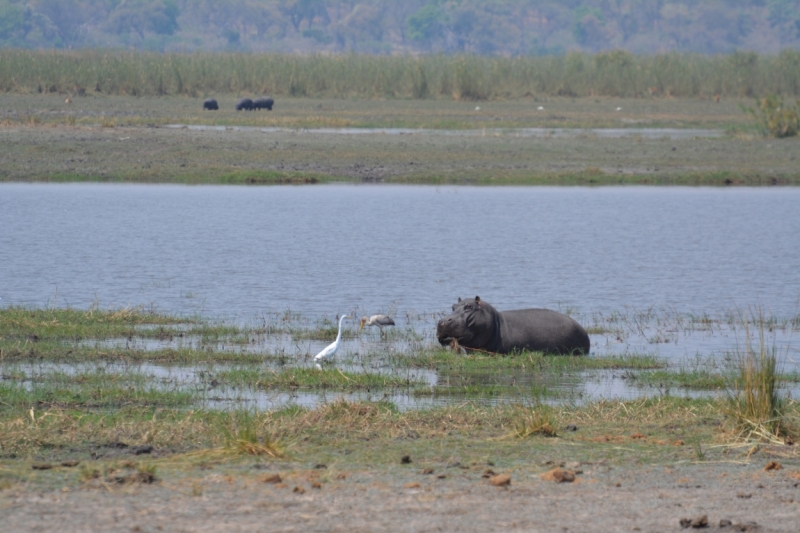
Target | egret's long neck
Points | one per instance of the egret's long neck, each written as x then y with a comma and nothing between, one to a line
339,335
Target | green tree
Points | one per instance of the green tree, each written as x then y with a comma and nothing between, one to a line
308,10
144,16
62,17
426,24
14,22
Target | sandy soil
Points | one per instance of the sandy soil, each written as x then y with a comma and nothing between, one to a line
602,498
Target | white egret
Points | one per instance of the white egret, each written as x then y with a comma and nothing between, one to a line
376,320
331,349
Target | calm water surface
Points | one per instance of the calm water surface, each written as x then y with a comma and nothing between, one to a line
235,252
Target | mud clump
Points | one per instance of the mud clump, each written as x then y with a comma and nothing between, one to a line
697,523
272,478
134,478
500,480
559,475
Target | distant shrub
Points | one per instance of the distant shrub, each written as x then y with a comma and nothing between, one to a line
774,117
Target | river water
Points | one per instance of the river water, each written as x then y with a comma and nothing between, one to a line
646,257
235,252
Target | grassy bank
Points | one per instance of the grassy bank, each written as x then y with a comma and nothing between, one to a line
352,435
616,73
107,139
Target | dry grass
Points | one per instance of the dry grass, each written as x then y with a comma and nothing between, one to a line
538,420
373,429
247,442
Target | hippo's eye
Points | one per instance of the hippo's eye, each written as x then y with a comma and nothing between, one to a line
468,307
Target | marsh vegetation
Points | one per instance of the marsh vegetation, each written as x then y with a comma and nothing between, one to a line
135,397
463,77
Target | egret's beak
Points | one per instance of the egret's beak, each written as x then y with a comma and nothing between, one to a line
362,326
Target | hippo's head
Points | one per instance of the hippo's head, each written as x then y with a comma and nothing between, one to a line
472,323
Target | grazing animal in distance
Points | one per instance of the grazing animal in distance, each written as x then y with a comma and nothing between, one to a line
376,320
210,105
331,349
263,103
244,104
474,324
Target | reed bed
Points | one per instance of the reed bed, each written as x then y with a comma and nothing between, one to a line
616,74
755,402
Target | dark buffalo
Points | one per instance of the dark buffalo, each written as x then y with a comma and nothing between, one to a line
263,103
244,103
210,104
479,326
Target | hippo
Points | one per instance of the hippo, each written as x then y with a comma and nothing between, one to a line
210,105
263,103
476,325
244,103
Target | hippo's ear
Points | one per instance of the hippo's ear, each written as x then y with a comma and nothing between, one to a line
478,300
459,298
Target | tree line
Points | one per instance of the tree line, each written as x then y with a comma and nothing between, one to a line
481,27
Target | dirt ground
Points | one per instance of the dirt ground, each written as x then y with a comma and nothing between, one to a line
406,498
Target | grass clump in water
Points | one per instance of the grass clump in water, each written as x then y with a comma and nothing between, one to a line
755,403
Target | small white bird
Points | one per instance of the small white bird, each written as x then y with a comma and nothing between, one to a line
619,109
331,349
477,108
376,320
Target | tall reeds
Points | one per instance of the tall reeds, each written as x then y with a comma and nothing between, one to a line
614,74
755,403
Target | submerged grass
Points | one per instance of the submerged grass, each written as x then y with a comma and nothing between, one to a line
312,378
85,396
442,359
59,323
682,378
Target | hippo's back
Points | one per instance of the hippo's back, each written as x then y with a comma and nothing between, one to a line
542,330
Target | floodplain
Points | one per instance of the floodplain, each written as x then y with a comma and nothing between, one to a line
548,140
135,398
98,405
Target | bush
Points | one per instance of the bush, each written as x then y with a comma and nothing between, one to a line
775,118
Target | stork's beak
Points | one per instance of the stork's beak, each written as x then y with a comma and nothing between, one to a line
362,326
